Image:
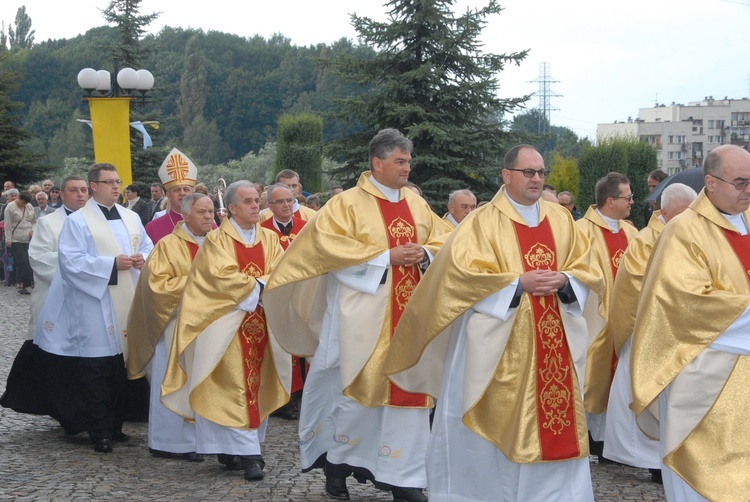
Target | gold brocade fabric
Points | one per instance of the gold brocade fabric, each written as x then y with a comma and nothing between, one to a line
599,359
481,257
627,288
694,288
157,294
214,288
305,213
347,231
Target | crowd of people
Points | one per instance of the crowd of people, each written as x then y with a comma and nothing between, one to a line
485,355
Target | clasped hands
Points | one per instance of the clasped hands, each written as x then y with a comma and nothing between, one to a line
125,262
407,254
542,282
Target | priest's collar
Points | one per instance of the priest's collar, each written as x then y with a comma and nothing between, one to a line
530,214
68,210
661,218
612,223
737,221
450,218
295,206
110,213
392,194
247,235
198,240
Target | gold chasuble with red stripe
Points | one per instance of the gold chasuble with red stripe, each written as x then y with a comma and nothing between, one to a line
556,410
224,364
521,386
253,333
401,229
607,249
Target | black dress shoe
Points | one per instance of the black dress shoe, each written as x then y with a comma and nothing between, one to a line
103,446
408,495
254,471
232,462
120,437
191,457
336,482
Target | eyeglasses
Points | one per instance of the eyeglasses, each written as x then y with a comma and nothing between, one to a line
281,201
529,173
629,197
109,182
739,185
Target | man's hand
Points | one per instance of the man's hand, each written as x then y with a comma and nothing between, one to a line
542,282
407,254
124,262
137,260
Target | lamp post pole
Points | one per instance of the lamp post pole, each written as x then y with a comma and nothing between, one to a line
109,103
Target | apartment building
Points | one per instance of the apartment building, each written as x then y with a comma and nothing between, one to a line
684,134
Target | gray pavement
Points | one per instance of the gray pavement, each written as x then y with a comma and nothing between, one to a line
38,462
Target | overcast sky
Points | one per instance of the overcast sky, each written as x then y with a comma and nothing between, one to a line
611,58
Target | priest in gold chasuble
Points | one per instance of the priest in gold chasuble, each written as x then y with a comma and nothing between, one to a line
690,351
338,294
609,235
495,332
152,319
225,369
623,440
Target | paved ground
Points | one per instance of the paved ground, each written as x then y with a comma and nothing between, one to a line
38,462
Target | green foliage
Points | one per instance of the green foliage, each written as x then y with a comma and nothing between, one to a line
565,176
131,26
17,163
628,156
560,140
23,36
300,144
253,167
430,80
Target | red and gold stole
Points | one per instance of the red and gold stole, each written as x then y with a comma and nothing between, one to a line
253,332
741,246
400,228
617,243
556,408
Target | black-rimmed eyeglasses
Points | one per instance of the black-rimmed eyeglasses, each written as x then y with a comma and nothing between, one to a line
529,173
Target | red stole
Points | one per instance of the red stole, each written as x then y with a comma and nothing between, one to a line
617,243
193,248
297,224
252,331
556,408
400,229
741,246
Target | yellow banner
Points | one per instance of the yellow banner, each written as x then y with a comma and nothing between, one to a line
110,122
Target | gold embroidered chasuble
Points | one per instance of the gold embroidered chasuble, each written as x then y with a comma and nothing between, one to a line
349,230
695,287
206,371
627,288
157,295
599,361
481,257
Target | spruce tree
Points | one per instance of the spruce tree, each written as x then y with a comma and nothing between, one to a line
131,26
17,164
431,80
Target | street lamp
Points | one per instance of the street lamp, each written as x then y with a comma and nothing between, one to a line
109,102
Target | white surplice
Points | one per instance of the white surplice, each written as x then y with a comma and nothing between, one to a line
78,318
43,260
